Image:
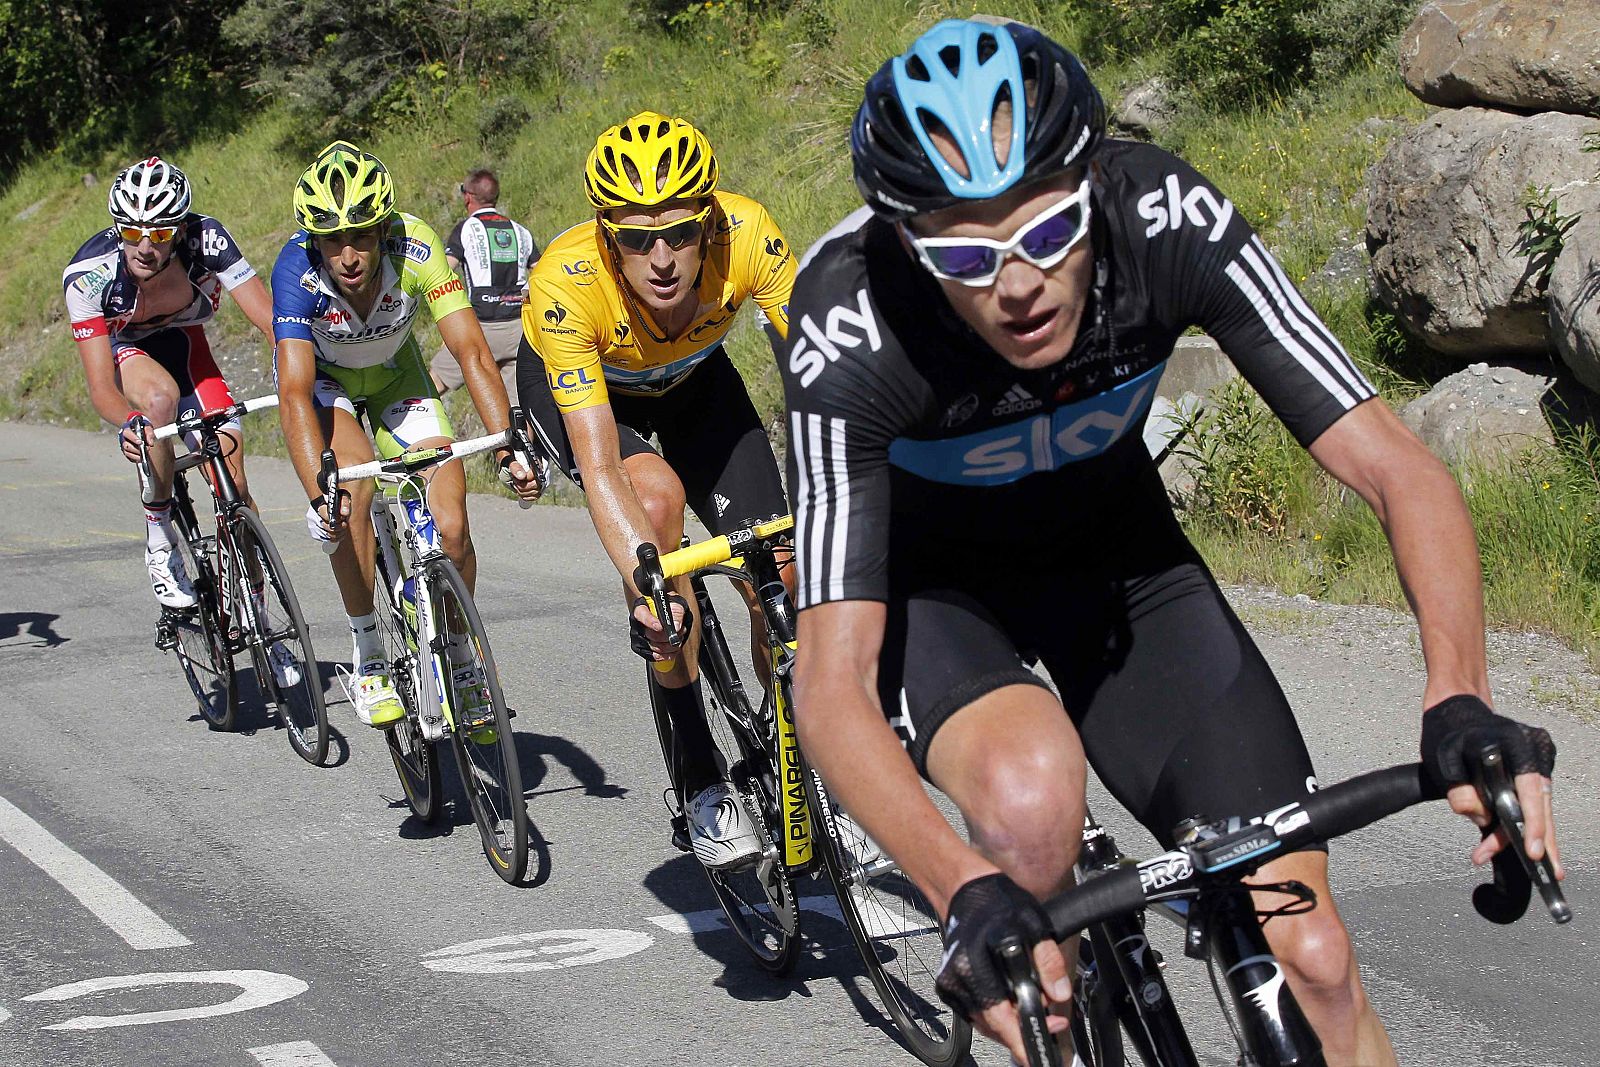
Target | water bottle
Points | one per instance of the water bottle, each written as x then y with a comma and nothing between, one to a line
405,594
421,520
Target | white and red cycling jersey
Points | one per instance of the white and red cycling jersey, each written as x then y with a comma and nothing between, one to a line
103,298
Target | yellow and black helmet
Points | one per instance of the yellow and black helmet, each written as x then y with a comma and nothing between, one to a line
649,160
345,188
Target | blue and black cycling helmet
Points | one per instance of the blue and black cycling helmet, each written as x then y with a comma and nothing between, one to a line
952,79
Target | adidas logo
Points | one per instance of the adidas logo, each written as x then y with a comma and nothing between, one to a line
721,501
1016,401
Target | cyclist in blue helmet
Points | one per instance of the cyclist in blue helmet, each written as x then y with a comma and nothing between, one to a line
973,358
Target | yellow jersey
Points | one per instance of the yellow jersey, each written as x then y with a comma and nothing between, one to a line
595,336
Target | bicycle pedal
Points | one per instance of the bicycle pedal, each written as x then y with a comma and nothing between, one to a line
166,637
477,722
680,833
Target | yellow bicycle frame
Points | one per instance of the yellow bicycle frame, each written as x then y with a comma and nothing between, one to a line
796,810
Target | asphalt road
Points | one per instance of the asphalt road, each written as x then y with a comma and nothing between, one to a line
251,909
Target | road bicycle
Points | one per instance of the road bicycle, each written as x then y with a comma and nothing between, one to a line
438,650
802,830
244,599
1200,885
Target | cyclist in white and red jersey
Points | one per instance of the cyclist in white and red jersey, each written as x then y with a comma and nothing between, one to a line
138,295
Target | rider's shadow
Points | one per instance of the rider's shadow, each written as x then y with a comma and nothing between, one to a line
37,625
826,952
534,753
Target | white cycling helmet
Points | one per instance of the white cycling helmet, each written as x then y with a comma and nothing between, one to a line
149,193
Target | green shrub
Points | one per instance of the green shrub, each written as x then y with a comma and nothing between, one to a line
1233,52
341,69
85,76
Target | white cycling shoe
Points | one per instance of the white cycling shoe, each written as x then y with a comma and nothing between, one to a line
285,668
720,830
168,579
866,852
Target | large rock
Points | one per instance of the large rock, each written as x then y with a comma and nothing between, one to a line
1444,207
1485,413
1147,109
1575,301
1536,55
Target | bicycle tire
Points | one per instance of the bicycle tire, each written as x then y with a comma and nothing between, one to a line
896,932
485,750
415,758
202,634
301,708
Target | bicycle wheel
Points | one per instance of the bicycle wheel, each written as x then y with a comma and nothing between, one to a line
758,901
485,748
278,620
896,931
201,635
416,759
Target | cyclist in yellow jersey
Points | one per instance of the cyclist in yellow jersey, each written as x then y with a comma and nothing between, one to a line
345,290
623,338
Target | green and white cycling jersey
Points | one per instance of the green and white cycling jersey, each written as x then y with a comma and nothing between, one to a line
374,362
307,304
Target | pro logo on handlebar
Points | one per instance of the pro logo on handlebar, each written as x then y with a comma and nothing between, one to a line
1163,871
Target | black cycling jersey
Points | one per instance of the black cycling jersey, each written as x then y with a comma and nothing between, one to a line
899,414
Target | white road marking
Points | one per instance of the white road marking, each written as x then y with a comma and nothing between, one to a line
257,989
4,1015
291,1054
96,890
878,920
573,947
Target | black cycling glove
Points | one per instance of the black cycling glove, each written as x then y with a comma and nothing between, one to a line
1462,724
638,636
983,913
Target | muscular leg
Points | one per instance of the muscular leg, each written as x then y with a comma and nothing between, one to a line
447,500
1012,762
661,494
1320,966
352,561
233,456
149,387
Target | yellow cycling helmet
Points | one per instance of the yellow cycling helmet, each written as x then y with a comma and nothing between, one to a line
345,188
649,160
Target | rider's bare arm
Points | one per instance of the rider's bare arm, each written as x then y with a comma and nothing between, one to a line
619,518
1436,556
100,372
1371,451
253,299
845,736
463,336
302,432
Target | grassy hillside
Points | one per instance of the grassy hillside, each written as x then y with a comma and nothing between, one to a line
775,97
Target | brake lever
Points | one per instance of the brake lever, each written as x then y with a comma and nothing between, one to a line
147,473
1017,962
1515,874
522,453
328,483
648,579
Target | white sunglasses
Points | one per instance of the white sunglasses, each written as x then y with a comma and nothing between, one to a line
1043,240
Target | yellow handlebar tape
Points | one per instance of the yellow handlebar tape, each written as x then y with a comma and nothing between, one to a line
716,550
